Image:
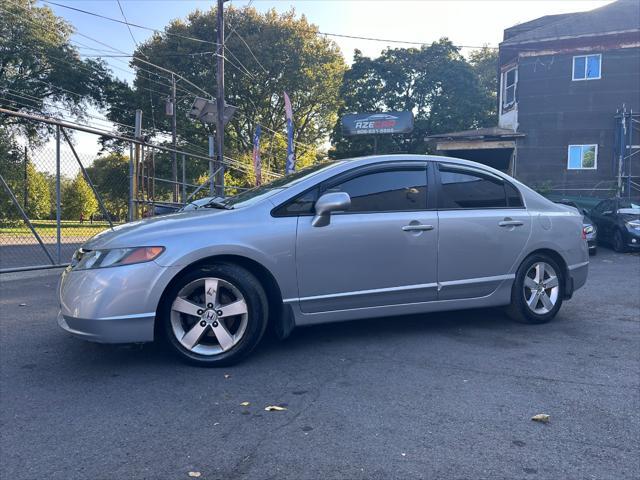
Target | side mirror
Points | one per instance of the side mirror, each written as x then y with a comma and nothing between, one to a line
327,203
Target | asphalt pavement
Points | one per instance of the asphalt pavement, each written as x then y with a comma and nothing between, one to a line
434,396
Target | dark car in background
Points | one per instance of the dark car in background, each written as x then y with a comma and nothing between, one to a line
589,230
618,223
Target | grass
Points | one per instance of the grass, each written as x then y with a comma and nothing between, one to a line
47,228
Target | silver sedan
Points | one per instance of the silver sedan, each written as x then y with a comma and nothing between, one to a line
362,238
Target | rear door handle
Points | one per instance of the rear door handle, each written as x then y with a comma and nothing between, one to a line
507,222
418,227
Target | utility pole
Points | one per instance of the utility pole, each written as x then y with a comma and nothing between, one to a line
136,169
220,103
174,164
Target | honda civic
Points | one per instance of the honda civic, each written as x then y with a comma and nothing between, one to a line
377,236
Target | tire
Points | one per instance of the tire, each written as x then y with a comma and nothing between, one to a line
618,242
519,309
219,333
593,252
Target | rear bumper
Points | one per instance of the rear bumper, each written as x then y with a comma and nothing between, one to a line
576,279
132,329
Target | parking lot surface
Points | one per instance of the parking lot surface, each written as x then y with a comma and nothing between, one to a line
432,396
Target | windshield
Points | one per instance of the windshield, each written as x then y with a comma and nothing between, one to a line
256,194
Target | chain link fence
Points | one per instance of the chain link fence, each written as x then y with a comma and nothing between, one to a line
58,194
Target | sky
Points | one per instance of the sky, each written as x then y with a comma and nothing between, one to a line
465,22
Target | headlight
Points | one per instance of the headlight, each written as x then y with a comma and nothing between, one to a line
588,229
87,259
633,224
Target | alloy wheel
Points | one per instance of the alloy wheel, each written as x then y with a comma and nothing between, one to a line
541,288
209,316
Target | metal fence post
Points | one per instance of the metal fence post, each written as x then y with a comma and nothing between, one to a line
184,181
58,199
131,180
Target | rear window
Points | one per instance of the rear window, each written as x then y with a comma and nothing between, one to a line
466,189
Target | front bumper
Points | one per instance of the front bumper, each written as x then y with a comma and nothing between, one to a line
112,305
131,329
632,239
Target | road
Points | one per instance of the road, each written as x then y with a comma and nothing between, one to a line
439,396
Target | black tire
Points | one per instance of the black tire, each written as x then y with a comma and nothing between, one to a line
518,310
618,242
257,314
593,252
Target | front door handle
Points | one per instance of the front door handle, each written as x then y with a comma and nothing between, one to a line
416,227
507,222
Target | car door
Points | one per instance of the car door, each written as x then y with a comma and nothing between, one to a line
483,228
382,251
604,216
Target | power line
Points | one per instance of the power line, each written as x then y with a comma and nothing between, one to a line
160,32
406,42
116,49
135,42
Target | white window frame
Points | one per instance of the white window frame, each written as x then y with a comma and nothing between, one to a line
582,146
586,65
503,105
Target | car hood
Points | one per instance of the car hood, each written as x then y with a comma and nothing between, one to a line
150,231
628,217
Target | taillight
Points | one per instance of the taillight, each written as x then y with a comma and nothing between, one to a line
584,233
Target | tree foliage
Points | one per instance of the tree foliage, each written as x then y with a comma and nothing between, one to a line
266,54
435,82
484,62
40,70
78,200
110,176
29,186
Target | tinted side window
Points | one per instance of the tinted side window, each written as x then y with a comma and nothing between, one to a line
513,196
386,191
300,205
467,189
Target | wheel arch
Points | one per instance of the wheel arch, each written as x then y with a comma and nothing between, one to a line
559,259
280,317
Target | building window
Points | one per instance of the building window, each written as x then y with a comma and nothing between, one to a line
509,81
587,67
583,157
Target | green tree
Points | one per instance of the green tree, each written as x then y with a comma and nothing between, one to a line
110,176
484,62
40,69
38,194
435,82
29,186
78,200
289,56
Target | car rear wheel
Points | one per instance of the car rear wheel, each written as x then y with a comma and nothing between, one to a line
214,315
538,290
618,242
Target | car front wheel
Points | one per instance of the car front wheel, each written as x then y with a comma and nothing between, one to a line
618,242
214,315
538,290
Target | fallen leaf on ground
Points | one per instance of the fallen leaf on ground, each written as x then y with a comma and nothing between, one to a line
22,305
274,408
226,375
245,404
541,417
194,474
